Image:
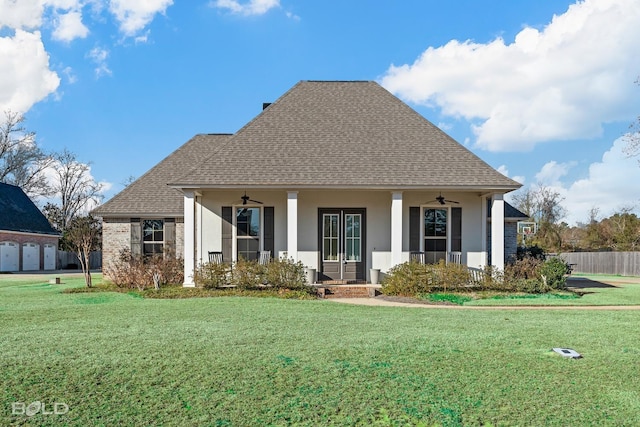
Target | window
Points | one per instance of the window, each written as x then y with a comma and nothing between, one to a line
248,233
435,234
152,236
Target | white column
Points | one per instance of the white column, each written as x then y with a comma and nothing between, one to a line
396,228
198,228
484,221
189,240
497,231
292,225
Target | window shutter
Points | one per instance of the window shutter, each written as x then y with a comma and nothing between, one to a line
227,233
414,229
136,237
268,244
170,235
456,229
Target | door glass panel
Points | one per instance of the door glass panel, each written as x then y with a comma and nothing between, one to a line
352,236
330,237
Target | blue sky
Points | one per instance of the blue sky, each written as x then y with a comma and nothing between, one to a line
540,89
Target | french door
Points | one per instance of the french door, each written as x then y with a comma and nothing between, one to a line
341,244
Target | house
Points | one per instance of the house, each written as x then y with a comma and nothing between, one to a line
27,240
342,176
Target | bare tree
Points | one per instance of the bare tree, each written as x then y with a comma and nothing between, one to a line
83,236
75,187
543,204
22,162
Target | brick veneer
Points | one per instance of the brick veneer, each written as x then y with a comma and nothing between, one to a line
22,238
116,236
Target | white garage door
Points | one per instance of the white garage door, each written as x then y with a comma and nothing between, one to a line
9,256
30,257
49,257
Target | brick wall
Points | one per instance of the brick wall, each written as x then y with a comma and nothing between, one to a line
180,237
22,238
116,236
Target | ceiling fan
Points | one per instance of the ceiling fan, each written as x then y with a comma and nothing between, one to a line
440,199
246,199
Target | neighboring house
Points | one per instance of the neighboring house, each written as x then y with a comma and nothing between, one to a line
27,240
342,176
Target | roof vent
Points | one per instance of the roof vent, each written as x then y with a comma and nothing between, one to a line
265,105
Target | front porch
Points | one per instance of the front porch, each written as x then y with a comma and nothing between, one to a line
343,234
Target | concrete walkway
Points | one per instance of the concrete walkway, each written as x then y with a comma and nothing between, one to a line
572,282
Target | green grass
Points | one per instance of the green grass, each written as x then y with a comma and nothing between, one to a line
620,294
117,359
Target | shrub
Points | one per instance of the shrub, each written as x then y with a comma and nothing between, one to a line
247,274
138,272
552,273
524,268
413,279
277,274
408,279
285,274
211,275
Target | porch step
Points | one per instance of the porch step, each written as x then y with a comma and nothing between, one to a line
347,291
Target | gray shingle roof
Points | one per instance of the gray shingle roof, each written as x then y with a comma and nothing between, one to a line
149,195
19,213
342,134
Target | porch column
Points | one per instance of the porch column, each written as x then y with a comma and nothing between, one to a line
497,231
484,223
189,241
396,228
292,225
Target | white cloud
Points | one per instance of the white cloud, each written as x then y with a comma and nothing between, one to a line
21,14
551,172
252,7
69,26
24,67
134,15
610,185
560,83
99,57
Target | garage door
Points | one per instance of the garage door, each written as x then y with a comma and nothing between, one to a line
30,257
9,256
49,257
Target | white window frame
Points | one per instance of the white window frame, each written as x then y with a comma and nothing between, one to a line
422,236
234,228
142,221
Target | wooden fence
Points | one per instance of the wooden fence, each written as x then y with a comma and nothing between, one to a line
618,263
70,261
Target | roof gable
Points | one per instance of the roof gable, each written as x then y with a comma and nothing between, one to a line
19,213
149,195
342,134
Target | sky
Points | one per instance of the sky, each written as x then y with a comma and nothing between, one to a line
542,90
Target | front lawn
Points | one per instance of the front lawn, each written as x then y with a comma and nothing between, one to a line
118,359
